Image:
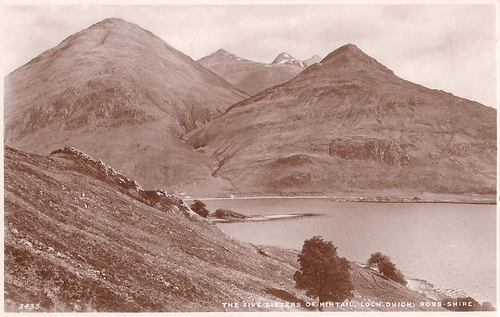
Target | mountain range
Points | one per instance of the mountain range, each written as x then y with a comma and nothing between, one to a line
350,125
249,76
344,126
82,235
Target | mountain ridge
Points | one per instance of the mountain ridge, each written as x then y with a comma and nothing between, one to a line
248,76
312,60
342,116
286,59
349,53
120,84
363,131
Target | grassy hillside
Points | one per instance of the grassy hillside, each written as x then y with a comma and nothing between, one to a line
81,237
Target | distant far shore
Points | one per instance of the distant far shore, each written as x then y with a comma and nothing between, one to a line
369,199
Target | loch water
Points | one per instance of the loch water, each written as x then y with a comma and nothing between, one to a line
452,246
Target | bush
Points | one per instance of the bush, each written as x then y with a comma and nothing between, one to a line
323,274
386,267
200,208
487,306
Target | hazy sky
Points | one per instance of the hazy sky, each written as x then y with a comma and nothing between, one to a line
450,47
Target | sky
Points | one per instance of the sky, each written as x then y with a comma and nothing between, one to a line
450,46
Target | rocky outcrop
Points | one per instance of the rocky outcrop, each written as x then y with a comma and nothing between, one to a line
293,160
155,198
99,168
366,148
468,149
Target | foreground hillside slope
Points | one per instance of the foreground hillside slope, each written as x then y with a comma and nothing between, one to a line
249,76
349,126
120,93
81,237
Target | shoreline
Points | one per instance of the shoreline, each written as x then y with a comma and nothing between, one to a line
439,293
262,218
419,285
385,200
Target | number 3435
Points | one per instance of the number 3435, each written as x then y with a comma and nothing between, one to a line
31,306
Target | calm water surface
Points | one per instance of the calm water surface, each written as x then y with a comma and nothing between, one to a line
451,246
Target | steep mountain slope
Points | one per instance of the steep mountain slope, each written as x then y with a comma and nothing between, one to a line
248,76
81,237
120,93
348,125
313,60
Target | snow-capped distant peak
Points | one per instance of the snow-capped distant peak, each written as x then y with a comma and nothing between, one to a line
287,59
225,55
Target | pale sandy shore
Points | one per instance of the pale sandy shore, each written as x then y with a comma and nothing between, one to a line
264,217
429,290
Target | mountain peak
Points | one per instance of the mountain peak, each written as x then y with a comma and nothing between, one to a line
349,54
113,20
112,30
222,51
347,50
221,56
313,60
350,46
110,23
283,55
287,59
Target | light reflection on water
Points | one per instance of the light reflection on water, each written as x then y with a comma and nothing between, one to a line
450,245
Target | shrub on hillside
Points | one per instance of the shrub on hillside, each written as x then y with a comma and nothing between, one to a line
487,306
200,208
386,267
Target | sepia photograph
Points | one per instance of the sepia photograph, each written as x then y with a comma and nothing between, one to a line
258,156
